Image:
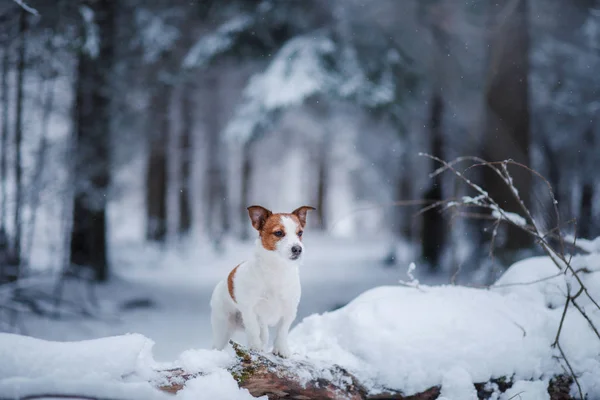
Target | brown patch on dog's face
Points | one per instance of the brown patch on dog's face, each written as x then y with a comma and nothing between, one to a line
270,226
272,232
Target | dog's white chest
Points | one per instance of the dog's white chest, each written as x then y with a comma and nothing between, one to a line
278,297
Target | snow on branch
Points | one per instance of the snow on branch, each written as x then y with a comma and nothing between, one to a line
209,46
156,33
91,45
316,64
27,8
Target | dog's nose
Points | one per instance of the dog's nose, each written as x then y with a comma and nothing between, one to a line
296,250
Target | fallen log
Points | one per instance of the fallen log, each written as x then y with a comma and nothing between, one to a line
277,378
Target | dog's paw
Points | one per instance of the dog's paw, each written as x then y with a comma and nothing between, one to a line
282,351
256,346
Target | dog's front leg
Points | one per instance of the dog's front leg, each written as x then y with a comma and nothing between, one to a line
281,347
252,327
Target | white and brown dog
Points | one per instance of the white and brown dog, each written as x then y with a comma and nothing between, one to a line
264,291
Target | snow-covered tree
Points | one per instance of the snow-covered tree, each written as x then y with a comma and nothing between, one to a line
315,51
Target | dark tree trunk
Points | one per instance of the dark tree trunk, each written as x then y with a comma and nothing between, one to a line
16,250
433,236
245,192
216,212
403,223
4,242
323,181
187,110
507,134
92,127
4,133
321,191
156,171
585,227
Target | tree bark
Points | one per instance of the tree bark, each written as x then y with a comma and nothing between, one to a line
16,249
217,218
585,224
245,192
404,226
92,127
4,133
187,110
433,236
156,170
507,132
323,180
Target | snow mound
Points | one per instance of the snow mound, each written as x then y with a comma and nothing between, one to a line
591,246
219,385
119,367
108,358
410,339
406,339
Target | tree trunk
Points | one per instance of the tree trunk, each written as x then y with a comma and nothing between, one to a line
4,133
507,134
92,127
433,236
187,110
16,250
323,180
404,222
156,171
216,211
4,242
245,192
585,224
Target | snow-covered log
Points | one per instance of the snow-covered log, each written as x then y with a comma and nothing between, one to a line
279,378
276,378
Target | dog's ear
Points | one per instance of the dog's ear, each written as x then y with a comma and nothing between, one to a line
258,216
300,212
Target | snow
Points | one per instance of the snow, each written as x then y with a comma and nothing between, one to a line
390,337
157,35
591,246
94,367
296,73
455,334
312,64
510,216
92,41
457,383
110,357
524,390
430,331
215,43
217,386
113,367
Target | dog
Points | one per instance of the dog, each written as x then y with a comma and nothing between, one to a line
264,291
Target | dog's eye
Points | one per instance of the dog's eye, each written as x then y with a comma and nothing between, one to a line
300,234
278,233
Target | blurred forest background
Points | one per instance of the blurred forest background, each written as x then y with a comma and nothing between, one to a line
158,122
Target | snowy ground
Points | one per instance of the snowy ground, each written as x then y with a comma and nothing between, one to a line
391,336
179,282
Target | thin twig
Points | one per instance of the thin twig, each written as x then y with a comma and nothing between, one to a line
571,370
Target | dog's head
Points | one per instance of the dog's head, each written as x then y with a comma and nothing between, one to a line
280,232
